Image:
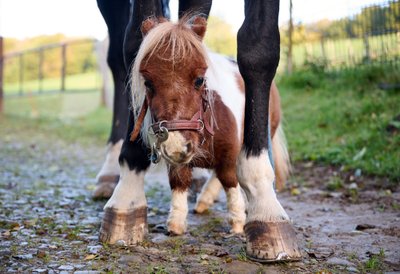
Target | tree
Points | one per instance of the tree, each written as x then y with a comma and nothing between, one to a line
220,37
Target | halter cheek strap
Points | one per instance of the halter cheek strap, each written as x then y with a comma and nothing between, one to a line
139,120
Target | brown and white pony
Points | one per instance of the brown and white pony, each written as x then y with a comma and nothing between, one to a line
191,103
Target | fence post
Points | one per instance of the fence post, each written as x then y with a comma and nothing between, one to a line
1,75
21,73
40,76
63,65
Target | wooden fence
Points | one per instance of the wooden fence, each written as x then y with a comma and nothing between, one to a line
50,67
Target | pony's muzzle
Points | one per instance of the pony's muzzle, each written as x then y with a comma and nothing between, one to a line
177,150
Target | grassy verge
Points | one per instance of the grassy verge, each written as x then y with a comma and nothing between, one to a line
93,127
84,81
342,118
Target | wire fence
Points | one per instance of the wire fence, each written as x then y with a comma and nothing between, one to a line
367,36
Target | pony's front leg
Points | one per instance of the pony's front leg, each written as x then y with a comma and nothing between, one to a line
125,214
270,235
236,204
179,179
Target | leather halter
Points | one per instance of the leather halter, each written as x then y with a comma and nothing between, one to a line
197,123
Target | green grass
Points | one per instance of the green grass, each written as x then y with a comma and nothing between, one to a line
341,118
64,106
70,116
89,80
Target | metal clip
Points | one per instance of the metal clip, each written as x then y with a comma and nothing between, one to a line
155,154
162,135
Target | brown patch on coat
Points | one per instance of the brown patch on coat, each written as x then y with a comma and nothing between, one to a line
274,108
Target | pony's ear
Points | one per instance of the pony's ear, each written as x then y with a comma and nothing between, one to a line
199,26
148,24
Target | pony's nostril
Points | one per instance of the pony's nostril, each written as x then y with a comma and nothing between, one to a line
189,147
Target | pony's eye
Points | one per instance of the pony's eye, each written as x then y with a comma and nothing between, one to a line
149,86
199,82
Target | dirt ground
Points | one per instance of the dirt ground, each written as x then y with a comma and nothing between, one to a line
345,222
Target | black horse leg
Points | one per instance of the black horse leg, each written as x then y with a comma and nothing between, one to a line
196,6
125,217
116,16
269,234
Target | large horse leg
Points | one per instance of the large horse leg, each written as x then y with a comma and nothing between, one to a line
269,233
125,217
179,179
116,16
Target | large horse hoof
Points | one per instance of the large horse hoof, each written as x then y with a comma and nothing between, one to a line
124,228
271,242
105,186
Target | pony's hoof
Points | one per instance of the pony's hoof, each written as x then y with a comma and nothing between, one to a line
127,228
271,242
105,186
176,229
201,207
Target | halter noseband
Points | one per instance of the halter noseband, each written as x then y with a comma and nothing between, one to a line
197,123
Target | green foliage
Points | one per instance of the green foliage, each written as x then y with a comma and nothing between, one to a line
372,20
220,37
375,263
341,118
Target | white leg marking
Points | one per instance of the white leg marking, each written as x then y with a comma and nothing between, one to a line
256,177
236,208
111,165
129,193
178,212
209,194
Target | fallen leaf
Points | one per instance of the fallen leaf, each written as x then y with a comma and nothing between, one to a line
90,257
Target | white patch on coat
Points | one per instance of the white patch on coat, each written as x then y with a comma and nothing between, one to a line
221,77
129,193
111,165
256,177
178,212
236,209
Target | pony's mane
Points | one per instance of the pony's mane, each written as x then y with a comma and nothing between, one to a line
183,44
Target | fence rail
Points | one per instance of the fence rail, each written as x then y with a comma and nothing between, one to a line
57,67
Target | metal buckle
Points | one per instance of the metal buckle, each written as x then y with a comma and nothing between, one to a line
202,124
162,135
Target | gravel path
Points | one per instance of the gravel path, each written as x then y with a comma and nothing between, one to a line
50,224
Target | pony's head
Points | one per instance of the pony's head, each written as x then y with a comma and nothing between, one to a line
169,74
